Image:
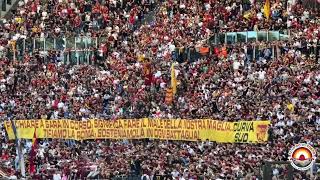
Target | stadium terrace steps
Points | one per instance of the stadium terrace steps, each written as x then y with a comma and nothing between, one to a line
6,6
3,174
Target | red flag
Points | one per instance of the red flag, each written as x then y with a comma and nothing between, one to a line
106,17
32,166
132,19
147,74
169,96
77,21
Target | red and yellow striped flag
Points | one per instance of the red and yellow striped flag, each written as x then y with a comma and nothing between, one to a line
169,96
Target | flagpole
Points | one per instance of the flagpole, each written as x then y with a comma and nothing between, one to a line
173,79
19,149
288,15
21,158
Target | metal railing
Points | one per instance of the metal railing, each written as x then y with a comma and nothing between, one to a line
253,52
6,5
249,36
286,171
311,4
78,50
83,42
157,177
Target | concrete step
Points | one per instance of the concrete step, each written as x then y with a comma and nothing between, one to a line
6,6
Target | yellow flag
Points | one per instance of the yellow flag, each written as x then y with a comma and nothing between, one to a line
290,107
13,45
247,15
173,80
266,9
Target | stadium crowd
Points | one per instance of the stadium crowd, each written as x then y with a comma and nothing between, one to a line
130,80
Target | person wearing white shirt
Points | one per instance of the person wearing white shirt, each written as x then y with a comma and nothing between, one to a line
236,65
56,176
162,84
20,3
259,15
261,75
145,177
290,123
280,116
175,173
60,105
280,124
157,74
191,151
172,47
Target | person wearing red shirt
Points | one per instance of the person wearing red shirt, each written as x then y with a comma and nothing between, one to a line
4,156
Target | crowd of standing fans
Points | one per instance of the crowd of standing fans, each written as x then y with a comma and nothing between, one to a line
279,82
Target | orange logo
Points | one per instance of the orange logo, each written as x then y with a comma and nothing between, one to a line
302,156
262,132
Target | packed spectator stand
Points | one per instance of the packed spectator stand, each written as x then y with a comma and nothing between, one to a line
131,44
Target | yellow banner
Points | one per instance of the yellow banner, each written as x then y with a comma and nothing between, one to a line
173,129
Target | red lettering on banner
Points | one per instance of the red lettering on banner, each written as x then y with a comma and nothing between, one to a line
37,123
219,125
109,124
65,124
59,133
85,134
76,125
142,133
150,133
194,124
212,124
41,124
164,123
47,125
120,133
143,123
120,125
26,123
29,124
8,124
125,124
180,124
73,125
133,123
173,134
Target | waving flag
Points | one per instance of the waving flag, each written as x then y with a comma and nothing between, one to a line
247,15
173,80
32,167
169,96
266,9
147,74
